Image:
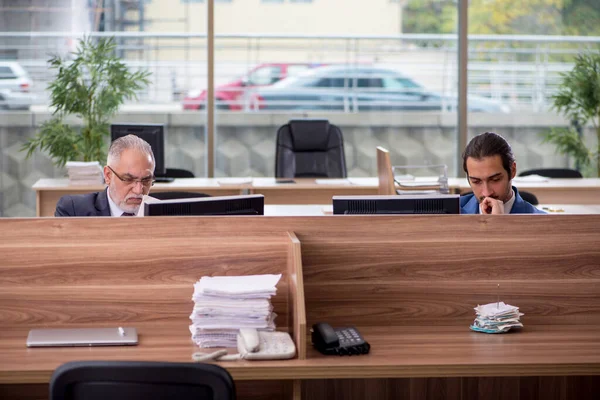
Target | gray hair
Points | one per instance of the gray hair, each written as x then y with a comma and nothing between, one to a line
119,145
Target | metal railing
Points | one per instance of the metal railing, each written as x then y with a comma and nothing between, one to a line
521,72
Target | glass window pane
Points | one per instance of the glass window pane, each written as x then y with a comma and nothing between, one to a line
320,63
514,74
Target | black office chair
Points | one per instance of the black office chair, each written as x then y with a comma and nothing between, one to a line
129,380
178,173
553,173
310,149
527,196
177,195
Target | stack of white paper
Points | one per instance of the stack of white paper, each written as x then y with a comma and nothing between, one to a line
224,304
496,318
84,173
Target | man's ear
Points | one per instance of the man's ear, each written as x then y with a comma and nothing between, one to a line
513,170
107,175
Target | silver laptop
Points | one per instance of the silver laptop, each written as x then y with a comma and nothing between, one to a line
82,337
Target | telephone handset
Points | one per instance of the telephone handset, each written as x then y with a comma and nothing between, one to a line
260,345
255,345
340,341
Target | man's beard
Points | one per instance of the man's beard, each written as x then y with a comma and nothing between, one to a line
123,205
129,207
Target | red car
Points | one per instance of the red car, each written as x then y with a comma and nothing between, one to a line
231,95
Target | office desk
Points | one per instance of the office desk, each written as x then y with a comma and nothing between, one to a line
406,352
409,284
307,191
303,191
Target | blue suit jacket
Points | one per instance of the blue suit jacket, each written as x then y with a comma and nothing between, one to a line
470,205
83,205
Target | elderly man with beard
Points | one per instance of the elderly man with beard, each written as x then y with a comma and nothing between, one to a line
490,165
129,175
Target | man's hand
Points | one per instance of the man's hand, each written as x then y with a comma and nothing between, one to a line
491,206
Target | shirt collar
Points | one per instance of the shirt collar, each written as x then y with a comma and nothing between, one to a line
509,204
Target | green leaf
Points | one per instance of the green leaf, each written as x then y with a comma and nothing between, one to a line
568,142
91,84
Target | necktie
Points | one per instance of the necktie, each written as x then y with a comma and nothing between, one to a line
125,214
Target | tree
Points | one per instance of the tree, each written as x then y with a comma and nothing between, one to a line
429,16
514,17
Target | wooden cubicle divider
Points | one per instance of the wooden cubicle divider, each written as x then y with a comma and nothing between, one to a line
113,272
408,283
296,302
385,174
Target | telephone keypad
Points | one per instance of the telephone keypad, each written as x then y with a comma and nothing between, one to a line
349,337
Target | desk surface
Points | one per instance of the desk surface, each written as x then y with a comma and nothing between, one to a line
395,352
308,183
313,191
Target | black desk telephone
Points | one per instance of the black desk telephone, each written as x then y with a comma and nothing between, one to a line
339,341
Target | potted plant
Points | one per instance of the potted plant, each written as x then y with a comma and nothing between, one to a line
578,99
90,85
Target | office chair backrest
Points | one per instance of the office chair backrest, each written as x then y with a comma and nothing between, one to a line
116,380
176,195
310,149
385,173
178,173
553,173
529,197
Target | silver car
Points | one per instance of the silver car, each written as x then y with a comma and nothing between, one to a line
358,88
15,85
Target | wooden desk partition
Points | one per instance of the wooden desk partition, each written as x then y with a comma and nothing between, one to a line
408,283
84,272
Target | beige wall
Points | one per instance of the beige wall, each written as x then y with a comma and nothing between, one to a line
353,17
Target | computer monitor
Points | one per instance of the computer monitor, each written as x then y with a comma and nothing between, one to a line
154,134
403,204
253,204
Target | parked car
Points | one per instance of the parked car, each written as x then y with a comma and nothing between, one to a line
230,96
358,88
14,86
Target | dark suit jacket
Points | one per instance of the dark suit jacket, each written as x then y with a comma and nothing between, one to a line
83,205
470,205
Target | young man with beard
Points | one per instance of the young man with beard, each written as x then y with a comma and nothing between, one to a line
490,165
129,175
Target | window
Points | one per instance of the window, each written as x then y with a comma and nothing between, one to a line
369,83
399,83
331,82
265,76
6,73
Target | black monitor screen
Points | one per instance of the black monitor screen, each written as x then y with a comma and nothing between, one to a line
226,205
400,204
151,133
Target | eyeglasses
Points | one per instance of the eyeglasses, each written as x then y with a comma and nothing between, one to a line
146,182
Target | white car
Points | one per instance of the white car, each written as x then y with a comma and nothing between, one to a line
15,84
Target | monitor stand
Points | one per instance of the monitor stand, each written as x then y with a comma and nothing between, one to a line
163,179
